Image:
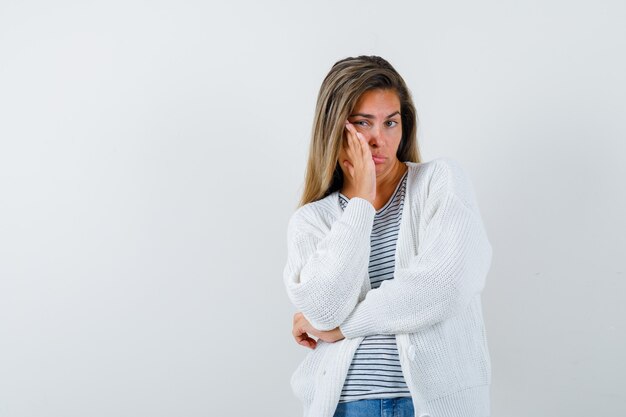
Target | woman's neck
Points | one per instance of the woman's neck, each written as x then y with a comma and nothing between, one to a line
386,183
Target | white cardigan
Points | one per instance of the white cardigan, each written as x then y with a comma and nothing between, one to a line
432,305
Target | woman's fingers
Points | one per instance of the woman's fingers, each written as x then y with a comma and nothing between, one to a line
307,341
365,149
358,141
349,137
349,149
302,338
354,148
299,331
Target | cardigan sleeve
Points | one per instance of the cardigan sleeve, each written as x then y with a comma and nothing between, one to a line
439,282
326,270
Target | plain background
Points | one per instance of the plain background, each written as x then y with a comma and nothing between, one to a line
152,152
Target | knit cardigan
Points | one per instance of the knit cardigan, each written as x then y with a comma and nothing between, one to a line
432,305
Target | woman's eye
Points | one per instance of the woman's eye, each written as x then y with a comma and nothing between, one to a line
360,123
391,123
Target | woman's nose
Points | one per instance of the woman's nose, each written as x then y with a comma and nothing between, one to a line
375,135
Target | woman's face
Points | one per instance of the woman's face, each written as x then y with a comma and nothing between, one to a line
376,115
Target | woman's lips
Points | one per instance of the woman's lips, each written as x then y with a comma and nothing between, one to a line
378,159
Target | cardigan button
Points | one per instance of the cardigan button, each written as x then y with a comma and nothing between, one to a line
411,353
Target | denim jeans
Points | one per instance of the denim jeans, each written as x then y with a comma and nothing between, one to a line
384,407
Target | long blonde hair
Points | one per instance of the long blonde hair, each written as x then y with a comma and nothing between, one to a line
340,90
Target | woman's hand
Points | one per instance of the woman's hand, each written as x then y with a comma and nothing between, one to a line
302,328
356,157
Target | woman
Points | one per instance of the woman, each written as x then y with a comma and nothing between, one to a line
387,257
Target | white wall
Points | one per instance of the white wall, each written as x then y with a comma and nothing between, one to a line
151,153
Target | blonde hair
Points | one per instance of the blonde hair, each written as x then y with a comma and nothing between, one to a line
347,80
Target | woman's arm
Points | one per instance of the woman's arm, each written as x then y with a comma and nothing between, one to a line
324,274
449,270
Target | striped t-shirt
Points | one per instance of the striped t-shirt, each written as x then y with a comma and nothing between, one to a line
375,370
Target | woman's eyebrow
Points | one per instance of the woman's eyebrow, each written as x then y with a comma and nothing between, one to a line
369,116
